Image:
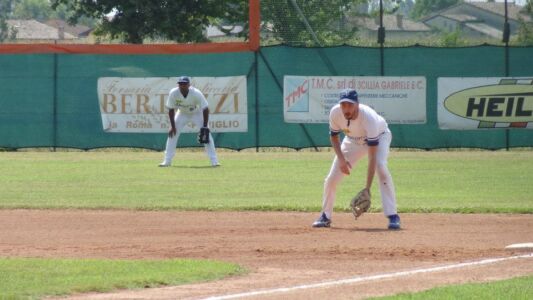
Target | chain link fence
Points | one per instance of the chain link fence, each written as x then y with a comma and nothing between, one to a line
445,23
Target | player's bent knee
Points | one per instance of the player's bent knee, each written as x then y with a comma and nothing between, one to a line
333,180
383,172
382,167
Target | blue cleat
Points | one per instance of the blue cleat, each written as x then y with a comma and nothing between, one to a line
323,221
394,222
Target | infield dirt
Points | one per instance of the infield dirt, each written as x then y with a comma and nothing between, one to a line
279,249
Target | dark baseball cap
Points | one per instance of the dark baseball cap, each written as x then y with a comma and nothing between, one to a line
184,79
348,95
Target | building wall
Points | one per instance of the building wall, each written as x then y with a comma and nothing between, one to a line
443,23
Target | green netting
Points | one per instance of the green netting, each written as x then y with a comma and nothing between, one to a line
26,100
50,100
441,62
277,61
483,61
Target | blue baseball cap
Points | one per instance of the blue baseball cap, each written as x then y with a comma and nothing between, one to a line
348,95
184,79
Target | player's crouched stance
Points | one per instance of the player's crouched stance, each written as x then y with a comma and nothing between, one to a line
192,108
365,132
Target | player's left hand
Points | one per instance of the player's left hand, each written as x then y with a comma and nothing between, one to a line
345,166
172,132
203,135
360,203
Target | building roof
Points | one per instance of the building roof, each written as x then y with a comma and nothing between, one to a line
460,17
33,30
513,11
75,30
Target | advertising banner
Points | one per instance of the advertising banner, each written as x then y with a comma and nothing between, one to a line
138,104
485,103
400,100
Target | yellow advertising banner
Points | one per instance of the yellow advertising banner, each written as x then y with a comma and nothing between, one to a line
484,103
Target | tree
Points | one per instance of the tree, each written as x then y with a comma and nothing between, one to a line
4,30
452,39
237,15
39,10
525,29
326,19
525,33
5,9
425,7
529,7
134,20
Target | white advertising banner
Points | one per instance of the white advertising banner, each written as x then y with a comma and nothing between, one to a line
138,104
485,103
400,100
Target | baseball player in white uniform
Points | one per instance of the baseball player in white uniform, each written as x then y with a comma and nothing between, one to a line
365,133
192,108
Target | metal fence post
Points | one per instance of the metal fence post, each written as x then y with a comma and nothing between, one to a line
506,33
54,117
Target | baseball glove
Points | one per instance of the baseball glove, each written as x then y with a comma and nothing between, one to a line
203,135
360,203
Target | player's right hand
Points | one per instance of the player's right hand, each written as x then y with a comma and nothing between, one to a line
172,132
345,166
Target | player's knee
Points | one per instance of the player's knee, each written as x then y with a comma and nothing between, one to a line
382,170
329,181
333,179
382,165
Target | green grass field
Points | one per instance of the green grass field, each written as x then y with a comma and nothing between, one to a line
520,288
31,278
458,181
470,181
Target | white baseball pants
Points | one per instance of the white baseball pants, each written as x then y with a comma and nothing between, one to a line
181,120
353,152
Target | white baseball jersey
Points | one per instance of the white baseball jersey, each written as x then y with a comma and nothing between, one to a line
367,128
193,103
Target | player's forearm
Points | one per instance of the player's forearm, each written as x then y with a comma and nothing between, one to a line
371,171
171,114
336,144
206,116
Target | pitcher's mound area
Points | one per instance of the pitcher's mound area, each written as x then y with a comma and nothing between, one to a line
279,249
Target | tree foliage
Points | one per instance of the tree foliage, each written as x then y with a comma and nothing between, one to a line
525,33
132,21
5,9
525,29
425,7
529,7
452,39
325,18
39,10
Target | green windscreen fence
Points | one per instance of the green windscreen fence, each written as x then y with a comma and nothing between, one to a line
50,100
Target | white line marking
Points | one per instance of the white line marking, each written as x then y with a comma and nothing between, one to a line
369,278
524,246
